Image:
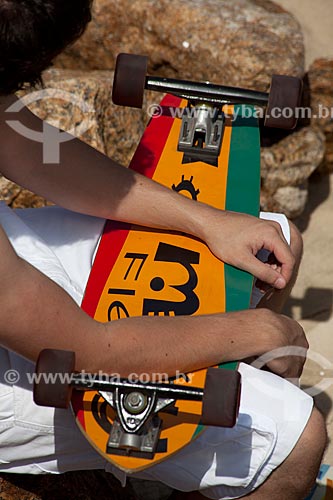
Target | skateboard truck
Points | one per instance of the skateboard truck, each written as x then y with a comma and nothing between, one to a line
136,429
130,81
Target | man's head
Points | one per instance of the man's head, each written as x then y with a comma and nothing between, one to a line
32,33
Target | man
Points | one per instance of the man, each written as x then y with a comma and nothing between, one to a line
277,432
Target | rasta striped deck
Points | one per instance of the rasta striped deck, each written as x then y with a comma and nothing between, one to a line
138,271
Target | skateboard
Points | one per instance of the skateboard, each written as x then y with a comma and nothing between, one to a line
204,143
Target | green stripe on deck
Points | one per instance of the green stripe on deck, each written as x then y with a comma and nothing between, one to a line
243,193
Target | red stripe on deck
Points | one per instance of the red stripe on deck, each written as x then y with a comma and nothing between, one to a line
145,161
112,241
149,151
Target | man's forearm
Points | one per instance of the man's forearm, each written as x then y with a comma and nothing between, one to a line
88,182
37,314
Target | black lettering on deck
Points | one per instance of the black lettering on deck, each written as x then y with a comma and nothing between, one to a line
186,258
117,309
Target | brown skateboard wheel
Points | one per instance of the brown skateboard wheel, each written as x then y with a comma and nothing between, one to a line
284,99
129,80
220,404
53,370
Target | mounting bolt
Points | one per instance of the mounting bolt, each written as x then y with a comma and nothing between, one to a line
135,402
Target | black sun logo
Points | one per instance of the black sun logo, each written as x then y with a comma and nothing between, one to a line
187,185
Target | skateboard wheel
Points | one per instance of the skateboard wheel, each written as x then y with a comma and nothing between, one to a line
129,80
220,404
284,99
53,370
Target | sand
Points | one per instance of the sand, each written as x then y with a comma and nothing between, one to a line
312,297
316,19
311,301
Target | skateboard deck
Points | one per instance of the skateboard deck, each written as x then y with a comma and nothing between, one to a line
138,271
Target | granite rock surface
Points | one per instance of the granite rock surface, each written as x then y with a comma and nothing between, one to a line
320,78
286,167
239,43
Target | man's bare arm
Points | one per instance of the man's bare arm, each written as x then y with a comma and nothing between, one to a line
88,182
36,313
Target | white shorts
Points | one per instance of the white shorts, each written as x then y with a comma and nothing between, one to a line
221,463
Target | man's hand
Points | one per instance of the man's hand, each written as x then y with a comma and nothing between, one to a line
283,335
236,239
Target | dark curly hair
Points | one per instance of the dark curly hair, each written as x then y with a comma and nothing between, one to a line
32,33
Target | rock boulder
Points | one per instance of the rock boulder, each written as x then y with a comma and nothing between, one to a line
239,43
320,78
285,169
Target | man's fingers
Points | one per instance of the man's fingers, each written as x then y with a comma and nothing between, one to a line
271,275
283,256
286,259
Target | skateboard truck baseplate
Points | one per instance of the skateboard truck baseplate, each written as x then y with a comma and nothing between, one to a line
137,427
201,133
